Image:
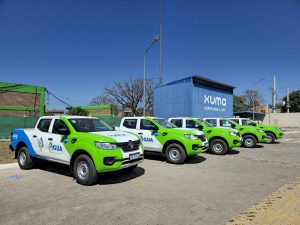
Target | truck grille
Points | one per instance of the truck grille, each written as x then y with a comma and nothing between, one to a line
201,137
127,147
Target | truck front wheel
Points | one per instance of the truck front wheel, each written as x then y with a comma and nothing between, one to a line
270,138
218,147
175,154
24,159
84,170
249,141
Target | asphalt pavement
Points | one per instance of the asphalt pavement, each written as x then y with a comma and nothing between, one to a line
208,189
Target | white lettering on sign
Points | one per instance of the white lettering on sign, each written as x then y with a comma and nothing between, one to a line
212,100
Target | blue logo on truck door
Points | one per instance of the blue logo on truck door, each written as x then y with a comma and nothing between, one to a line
147,139
53,147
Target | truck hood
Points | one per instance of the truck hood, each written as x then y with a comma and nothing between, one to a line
229,129
119,136
198,132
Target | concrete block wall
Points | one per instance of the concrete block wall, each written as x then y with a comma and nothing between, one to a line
283,119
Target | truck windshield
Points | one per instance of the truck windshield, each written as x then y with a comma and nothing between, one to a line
89,125
164,123
205,123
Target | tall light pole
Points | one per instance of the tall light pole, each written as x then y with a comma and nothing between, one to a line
156,38
161,44
253,98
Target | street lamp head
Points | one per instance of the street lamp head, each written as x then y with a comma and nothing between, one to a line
156,38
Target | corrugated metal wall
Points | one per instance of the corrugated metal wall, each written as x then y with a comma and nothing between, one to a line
210,102
183,98
173,100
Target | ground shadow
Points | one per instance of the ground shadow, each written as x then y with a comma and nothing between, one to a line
232,152
104,178
259,146
195,159
275,142
120,176
53,167
154,156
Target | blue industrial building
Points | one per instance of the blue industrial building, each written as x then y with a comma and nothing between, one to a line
194,96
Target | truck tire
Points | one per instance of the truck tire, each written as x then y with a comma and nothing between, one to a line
218,147
24,159
270,138
84,170
249,141
175,154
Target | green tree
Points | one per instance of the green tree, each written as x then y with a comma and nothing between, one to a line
78,111
294,102
239,103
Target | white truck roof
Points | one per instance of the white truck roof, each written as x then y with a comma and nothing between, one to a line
67,116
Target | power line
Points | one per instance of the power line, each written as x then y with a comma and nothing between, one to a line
62,101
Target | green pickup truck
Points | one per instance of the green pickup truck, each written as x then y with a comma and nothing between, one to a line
162,137
251,135
273,132
86,144
220,139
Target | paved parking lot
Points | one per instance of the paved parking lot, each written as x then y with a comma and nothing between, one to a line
208,189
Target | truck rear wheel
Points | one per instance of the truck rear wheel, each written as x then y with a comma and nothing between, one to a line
175,154
218,147
24,159
249,141
270,138
84,170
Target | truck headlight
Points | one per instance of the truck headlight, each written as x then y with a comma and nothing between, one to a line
277,128
191,136
231,134
105,146
261,131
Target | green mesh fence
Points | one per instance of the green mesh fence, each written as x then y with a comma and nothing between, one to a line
112,121
8,123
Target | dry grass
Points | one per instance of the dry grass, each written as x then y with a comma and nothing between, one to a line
6,155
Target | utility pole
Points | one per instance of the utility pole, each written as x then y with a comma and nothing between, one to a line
274,95
161,45
288,100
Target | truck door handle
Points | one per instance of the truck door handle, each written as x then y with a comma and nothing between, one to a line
34,136
140,133
50,139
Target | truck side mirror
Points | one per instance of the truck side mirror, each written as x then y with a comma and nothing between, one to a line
233,125
200,127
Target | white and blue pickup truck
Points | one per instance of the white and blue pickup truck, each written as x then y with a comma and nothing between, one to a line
88,145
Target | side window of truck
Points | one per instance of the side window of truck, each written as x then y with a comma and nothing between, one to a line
224,123
177,122
130,123
44,125
190,124
59,124
147,125
212,122
236,120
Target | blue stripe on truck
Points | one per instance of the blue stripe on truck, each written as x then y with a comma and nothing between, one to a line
18,136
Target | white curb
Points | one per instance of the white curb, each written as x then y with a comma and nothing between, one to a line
8,166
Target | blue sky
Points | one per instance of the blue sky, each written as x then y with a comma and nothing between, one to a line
77,47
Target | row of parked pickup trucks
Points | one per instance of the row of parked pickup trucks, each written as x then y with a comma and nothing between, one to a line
91,146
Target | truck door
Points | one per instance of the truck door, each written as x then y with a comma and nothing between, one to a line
149,132
56,140
39,137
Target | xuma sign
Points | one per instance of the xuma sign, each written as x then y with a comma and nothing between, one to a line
212,100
